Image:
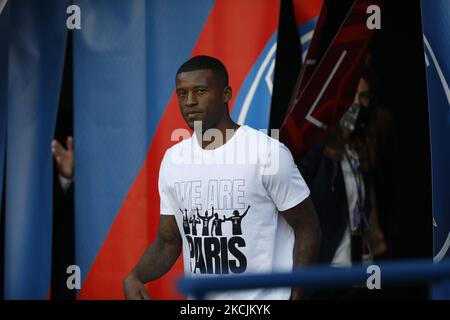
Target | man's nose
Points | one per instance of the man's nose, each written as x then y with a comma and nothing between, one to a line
191,99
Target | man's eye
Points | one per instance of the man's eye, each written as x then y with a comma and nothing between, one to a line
181,93
201,91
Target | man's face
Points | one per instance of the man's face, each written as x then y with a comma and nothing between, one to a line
202,97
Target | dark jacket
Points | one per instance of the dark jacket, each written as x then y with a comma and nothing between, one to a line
328,193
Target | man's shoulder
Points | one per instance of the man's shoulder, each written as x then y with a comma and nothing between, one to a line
267,140
263,135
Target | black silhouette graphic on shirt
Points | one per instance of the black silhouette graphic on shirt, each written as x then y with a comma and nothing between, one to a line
205,220
194,221
185,222
217,224
236,220
216,254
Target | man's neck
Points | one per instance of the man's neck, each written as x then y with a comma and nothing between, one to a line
217,136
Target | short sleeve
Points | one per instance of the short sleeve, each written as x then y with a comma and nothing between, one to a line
282,179
166,197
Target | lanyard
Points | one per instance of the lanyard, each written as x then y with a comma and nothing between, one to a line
359,211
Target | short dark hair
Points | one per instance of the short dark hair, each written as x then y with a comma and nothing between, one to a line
205,63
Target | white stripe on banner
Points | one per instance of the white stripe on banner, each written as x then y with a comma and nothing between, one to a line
251,92
438,69
306,37
309,116
269,81
2,5
443,251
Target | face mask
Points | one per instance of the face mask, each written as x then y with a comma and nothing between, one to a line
350,118
356,117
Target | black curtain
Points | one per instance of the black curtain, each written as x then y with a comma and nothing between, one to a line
63,243
288,61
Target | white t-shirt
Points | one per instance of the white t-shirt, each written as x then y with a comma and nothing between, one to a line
226,204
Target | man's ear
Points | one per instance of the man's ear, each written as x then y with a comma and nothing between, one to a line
227,94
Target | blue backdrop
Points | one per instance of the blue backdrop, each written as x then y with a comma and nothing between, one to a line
37,40
436,36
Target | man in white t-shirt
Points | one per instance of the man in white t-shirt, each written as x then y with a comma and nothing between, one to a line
254,206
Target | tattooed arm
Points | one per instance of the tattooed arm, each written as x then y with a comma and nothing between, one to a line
303,219
156,261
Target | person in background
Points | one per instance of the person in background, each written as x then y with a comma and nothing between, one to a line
64,161
342,176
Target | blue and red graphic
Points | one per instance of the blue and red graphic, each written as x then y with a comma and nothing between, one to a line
125,57
125,60
252,106
325,91
436,39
